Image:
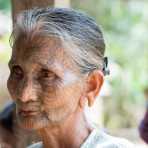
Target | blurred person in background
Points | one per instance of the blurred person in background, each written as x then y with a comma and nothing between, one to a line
7,134
143,128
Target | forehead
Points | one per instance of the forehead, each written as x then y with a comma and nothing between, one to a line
41,50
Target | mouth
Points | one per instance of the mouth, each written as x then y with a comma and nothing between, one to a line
27,113
28,110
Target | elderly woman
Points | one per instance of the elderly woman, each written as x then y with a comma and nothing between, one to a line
56,69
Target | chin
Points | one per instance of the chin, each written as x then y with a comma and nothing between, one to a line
32,122
43,120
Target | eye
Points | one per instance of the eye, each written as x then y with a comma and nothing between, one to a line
17,71
46,74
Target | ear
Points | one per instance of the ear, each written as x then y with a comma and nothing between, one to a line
94,84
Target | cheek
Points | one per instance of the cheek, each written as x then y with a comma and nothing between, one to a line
63,97
73,94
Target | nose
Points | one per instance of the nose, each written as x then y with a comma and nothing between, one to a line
27,92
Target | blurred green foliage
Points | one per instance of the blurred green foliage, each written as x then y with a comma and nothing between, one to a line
5,53
124,24
5,5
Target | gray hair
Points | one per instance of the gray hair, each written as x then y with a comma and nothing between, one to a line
75,29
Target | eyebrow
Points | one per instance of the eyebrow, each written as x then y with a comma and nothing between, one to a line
52,66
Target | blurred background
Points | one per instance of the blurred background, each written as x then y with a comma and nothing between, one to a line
121,105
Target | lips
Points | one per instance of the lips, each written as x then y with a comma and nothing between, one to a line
26,113
28,109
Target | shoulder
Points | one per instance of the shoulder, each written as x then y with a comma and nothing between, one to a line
115,142
36,145
99,139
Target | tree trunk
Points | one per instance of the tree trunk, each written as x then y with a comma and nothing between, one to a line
19,5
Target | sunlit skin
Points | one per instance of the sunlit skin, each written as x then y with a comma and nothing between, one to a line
50,92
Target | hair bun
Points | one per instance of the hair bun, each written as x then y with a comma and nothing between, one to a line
105,69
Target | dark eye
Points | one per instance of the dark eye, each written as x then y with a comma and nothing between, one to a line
46,74
17,71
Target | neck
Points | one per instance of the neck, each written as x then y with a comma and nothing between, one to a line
71,133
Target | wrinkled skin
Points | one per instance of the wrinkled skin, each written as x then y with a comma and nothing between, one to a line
44,82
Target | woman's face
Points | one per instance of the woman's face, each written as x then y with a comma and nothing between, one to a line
43,83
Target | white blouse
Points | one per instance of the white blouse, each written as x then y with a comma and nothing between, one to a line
99,139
